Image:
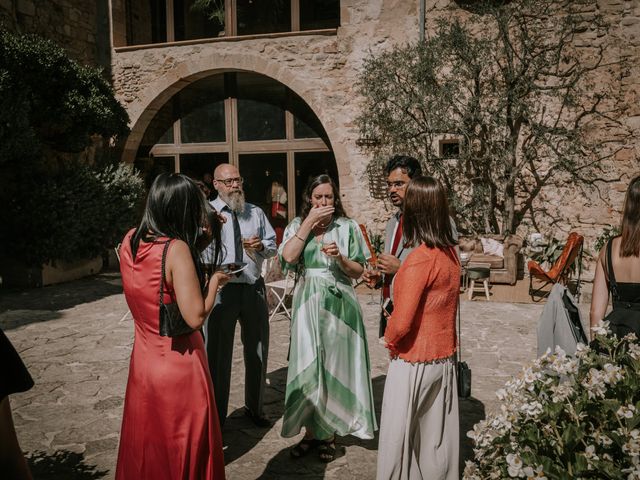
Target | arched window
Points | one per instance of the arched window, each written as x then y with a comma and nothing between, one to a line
246,119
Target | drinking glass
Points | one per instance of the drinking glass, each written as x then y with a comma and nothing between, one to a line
249,250
375,275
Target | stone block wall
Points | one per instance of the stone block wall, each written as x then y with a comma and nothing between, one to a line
80,27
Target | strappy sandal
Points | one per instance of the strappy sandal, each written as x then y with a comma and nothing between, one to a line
327,450
303,447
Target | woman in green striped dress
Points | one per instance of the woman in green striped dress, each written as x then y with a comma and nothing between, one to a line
328,382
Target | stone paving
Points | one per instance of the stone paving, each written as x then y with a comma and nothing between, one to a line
76,339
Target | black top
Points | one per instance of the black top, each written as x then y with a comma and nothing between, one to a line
624,294
14,376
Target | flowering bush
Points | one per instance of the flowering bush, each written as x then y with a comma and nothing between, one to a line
566,417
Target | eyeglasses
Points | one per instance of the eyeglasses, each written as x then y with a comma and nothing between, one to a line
391,185
230,181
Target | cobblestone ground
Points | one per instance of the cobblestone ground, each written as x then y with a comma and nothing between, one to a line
76,339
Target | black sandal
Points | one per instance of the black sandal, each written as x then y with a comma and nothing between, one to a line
327,450
303,447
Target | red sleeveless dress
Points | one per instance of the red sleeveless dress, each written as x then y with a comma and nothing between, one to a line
170,427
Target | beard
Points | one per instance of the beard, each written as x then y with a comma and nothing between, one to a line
235,200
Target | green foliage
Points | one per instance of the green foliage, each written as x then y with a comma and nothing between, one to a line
54,206
566,417
552,251
377,240
511,85
49,100
213,9
607,234
74,214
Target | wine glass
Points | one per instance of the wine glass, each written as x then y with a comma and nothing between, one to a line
246,242
374,276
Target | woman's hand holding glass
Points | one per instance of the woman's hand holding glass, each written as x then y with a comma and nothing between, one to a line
371,275
330,249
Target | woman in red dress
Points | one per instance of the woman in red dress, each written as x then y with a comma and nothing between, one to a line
170,427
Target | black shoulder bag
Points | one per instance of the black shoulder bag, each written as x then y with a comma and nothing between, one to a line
171,322
464,372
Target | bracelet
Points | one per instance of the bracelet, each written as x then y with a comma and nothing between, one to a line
299,237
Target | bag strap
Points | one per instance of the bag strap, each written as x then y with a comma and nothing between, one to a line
164,259
613,285
459,333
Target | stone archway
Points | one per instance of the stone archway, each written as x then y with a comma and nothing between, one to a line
156,93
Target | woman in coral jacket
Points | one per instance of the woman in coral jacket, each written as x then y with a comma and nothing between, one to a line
419,428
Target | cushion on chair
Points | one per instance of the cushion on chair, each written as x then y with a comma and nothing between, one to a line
493,260
492,247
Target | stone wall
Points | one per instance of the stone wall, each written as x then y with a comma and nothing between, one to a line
323,70
80,27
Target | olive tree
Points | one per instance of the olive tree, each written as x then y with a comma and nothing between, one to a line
514,83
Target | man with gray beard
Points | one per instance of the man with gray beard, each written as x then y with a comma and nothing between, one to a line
247,237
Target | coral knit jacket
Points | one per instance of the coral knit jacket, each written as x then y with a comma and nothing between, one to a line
422,327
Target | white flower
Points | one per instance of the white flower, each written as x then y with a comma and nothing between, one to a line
561,392
634,350
613,373
594,383
602,328
626,411
632,445
531,409
590,452
602,439
515,465
532,474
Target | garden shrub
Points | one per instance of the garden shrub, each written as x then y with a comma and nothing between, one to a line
566,417
55,204
73,215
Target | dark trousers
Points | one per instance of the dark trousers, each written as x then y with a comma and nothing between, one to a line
247,303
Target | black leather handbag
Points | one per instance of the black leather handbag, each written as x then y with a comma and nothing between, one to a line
171,322
464,372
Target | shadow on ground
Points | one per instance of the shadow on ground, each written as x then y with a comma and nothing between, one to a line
62,465
310,466
42,304
240,435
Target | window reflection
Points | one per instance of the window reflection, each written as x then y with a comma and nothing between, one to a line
196,165
263,16
202,109
191,23
150,167
305,123
147,21
260,108
318,14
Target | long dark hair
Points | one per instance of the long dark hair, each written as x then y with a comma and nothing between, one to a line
175,209
311,185
426,214
630,242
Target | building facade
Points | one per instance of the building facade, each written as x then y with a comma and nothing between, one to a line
271,86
